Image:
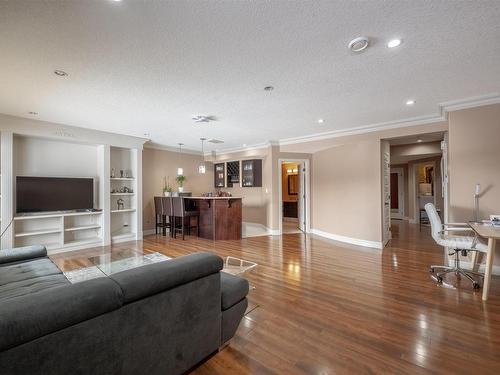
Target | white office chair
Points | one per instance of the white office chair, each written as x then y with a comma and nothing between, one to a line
459,243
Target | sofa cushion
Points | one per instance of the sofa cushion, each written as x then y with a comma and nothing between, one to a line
30,286
11,273
22,253
28,317
233,289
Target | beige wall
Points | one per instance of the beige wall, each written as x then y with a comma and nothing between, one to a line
474,157
156,164
347,190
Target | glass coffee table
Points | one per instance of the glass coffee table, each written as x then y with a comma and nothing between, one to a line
107,264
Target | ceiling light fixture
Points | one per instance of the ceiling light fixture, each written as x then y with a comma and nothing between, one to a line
358,44
410,102
419,140
244,145
60,73
180,170
320,121
394,43
202,168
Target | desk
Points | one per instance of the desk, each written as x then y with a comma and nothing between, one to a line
492,234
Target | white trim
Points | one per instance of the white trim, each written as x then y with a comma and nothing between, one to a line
307,166
475,101
265,230
443,108
349,240
422,120
256,146
156,146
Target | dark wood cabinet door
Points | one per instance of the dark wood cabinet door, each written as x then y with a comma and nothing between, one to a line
251,173
219,175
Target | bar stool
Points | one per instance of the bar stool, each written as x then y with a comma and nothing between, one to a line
166,203
179,211
159,215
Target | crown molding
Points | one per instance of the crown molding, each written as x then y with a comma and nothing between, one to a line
476,101
415,121
256,146
157,146
444,109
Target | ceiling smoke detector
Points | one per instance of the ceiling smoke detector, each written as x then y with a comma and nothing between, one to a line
358,44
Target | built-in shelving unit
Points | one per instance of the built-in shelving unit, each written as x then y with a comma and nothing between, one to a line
65,230
90,154
123,189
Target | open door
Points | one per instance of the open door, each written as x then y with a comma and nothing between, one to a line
386,191
302,195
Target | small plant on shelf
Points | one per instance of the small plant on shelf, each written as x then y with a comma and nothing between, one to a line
167,189
180,181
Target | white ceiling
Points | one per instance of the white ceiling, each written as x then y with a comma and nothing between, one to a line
140,67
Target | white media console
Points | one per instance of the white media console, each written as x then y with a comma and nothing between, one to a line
91,154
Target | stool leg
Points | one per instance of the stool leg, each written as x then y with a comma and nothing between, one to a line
182,226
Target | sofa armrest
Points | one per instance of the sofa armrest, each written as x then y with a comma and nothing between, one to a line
154,278
22,253
31,316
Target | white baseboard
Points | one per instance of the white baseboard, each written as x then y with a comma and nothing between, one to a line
258,230
350,240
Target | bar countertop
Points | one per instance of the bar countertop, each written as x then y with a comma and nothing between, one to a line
213,197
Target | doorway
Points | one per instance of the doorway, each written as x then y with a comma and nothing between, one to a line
293,196
397,193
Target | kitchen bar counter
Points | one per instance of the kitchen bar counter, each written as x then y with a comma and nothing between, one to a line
220,217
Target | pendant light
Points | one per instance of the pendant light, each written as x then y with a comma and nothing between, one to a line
180,170
202,168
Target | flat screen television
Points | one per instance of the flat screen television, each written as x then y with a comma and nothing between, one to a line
38,194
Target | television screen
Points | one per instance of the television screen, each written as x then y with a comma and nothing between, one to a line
37,194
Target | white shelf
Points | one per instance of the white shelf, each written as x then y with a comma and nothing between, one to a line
38,232
123,194
86,241
122,178
82,227
43,216
124,210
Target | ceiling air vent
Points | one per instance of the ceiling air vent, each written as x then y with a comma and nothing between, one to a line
203,118
215,141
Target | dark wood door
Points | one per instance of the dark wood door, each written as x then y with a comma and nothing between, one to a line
394,192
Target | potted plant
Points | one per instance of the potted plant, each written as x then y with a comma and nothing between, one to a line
180,181
167,189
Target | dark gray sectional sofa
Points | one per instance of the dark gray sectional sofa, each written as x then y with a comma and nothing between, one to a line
162,318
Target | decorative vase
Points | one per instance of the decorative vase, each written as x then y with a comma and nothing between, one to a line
167,193
181,189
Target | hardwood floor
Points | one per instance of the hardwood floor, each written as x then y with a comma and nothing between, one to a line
322,307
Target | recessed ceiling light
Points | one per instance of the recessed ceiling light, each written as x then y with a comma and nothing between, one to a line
410,102
394,43
60,73
268,88
244,145
33,113
358,44
320,121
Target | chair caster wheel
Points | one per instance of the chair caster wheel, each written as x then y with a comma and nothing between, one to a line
439,279
431,270
476,286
